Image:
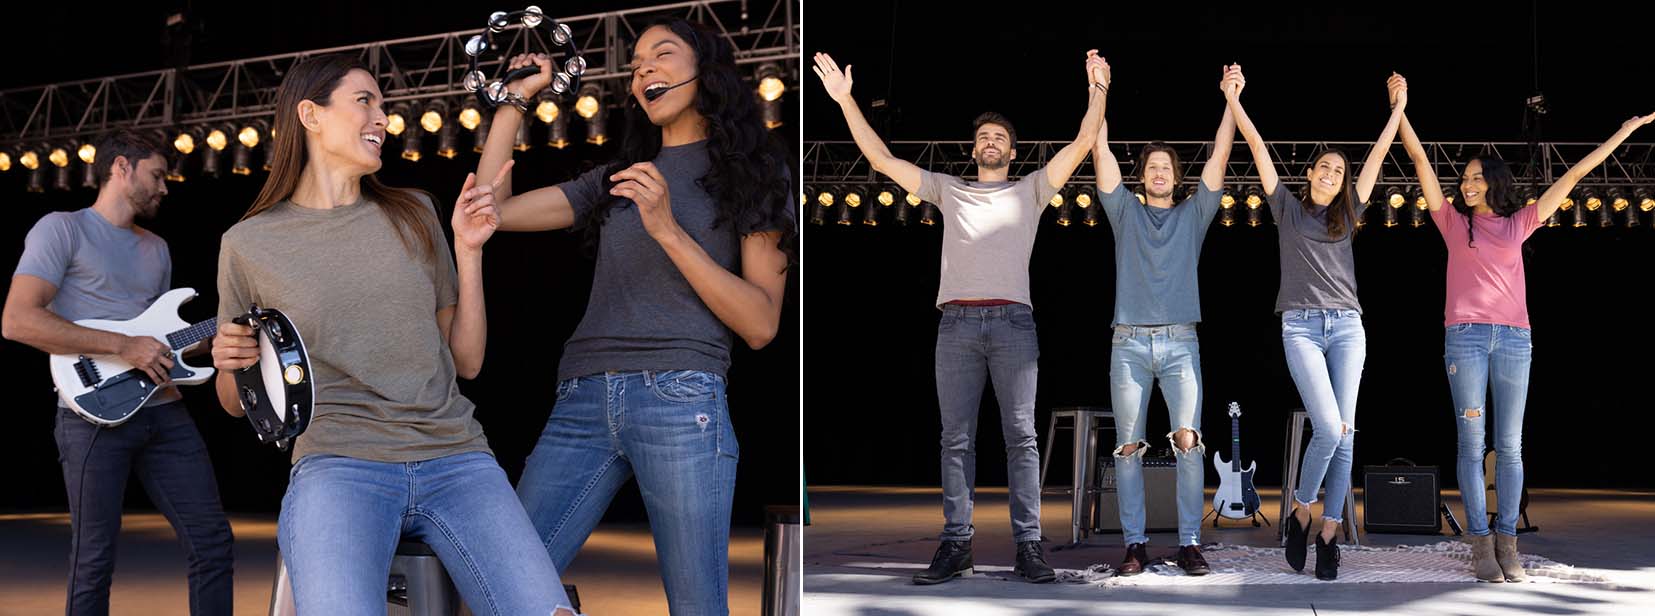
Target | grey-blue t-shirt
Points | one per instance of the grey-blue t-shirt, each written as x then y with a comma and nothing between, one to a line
1156,254
101,271
643,314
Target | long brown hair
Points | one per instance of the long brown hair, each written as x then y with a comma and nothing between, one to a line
314,80
1342,211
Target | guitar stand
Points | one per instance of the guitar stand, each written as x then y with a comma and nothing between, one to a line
1448,514
1527,527
1213,512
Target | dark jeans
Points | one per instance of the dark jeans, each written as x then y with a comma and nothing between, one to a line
162,445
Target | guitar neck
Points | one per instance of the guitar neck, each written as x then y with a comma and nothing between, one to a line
1235,444
183,338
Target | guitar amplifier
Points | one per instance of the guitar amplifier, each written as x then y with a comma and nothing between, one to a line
1160,495
1401,498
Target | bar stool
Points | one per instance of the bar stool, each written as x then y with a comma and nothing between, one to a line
1292,457
1085,421
418,583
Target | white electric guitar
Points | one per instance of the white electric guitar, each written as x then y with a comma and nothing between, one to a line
1236,498
105,389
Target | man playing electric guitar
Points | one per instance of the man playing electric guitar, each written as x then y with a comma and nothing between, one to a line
96,263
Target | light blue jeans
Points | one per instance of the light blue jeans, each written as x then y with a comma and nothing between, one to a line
1325,350
1138,357
671,429
1482,358
343,517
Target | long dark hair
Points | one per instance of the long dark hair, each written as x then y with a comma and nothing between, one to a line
1501,195
314,80
749,176
1342,212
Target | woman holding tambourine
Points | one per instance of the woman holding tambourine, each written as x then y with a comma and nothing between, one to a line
391,319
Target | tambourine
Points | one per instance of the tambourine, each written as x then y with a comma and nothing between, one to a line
277,393
564,83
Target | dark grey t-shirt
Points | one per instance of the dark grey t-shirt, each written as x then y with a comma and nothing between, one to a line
1317,270
101,271
643,314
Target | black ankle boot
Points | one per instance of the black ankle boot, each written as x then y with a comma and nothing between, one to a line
1327,559
1298,536
953,559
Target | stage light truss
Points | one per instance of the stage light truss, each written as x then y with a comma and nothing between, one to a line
1624,182
414,70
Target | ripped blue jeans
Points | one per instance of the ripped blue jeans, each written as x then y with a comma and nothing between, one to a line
1482,359
1138,356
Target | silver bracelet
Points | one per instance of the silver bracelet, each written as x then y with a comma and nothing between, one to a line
517,100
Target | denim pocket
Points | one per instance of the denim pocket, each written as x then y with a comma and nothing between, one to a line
1183,333
1022,319
566,388
686,386
948,320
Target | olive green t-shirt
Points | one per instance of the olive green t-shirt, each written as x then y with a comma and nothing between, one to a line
365,307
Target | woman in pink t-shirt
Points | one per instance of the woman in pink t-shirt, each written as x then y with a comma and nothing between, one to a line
1488,338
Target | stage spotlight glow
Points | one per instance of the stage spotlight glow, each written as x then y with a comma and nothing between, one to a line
587,105
88,153
184,143
248,136
397,121
217,140
470,116
546,111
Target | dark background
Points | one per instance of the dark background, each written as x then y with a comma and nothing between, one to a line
1315,72
537,284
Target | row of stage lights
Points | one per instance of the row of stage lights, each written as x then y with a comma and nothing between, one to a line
843,204
437,117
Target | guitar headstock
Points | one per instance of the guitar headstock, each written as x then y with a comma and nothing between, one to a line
1235,409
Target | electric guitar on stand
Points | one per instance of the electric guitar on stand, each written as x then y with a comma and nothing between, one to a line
1236,498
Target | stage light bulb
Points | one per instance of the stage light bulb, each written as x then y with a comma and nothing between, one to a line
470,118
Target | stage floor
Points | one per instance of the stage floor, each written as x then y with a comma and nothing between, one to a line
864,542
615,573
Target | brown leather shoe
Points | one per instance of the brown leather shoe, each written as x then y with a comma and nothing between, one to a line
1191,561
1136,559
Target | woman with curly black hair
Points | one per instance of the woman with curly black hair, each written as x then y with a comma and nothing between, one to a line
693,227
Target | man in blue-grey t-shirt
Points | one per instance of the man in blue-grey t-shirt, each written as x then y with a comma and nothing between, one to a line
987,329
97,263
1157,304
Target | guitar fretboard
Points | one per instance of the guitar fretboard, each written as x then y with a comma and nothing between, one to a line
1235,444
192,334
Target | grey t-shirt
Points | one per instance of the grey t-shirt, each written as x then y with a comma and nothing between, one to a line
1317,270
366,309
643,314
987,234
101,271
1156,254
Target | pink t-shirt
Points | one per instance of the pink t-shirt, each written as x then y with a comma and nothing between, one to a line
1485,279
